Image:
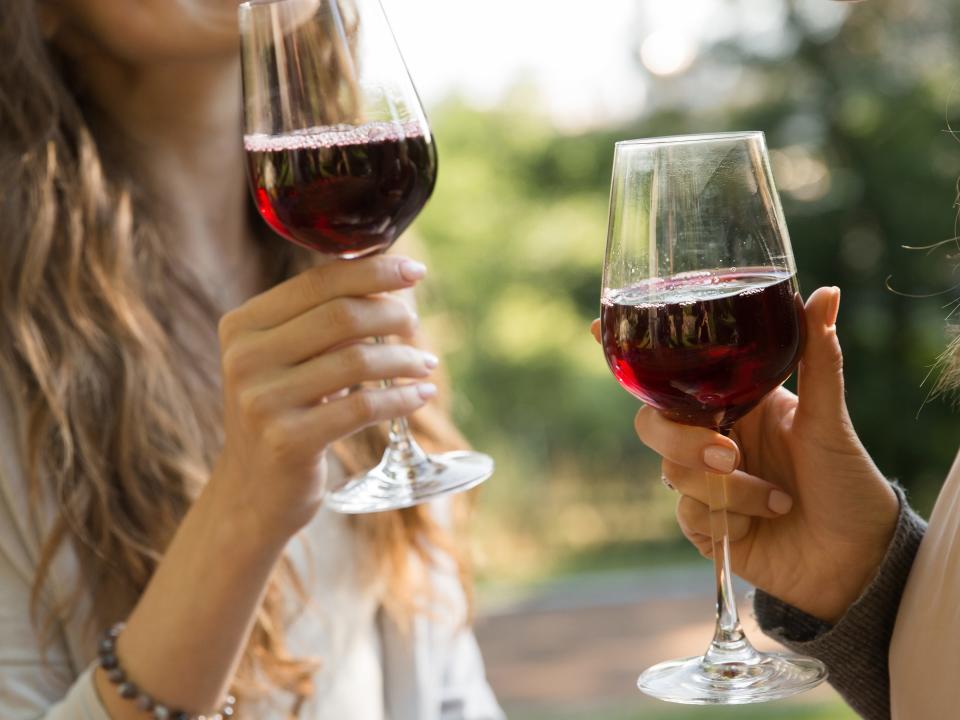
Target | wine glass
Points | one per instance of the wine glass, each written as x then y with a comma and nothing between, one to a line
701,317
341,160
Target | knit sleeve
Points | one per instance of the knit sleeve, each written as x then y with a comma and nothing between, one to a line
854,650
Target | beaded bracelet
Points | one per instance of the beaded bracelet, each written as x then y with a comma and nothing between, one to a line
129,691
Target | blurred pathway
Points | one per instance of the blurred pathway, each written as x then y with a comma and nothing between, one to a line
572,645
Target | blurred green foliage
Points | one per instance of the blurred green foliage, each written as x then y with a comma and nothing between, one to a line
855,119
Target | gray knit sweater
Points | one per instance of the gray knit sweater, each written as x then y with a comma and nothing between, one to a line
855,649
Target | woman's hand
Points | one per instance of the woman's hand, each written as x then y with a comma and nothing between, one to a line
287,356
809,513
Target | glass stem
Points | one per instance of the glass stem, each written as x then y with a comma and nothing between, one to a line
403,452
730,647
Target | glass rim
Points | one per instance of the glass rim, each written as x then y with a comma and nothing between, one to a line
685,139
252,4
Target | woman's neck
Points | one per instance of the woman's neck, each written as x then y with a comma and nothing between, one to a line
182,124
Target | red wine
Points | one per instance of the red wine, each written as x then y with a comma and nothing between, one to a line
343,190
704,348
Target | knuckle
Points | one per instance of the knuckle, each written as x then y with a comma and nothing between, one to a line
387,269
668,475
409,322
642,421
228,327
363,406
835,353
739,526
279,439
344,314
359,358
238,361
403,318
408,399
255,404
314,282
413,358
672,471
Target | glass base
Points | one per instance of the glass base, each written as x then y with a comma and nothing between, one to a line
692,681
392,485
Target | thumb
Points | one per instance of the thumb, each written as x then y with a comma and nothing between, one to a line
595,329
820,377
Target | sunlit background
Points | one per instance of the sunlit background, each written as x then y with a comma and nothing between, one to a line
584,578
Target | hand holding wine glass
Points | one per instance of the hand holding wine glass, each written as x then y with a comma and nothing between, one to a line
288,356
809,513
341,160
701,318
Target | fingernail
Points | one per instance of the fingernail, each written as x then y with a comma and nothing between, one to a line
835,309
430,360
412,270
779,502
427,390
720,458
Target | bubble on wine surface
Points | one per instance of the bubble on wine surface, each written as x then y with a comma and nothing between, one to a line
331,136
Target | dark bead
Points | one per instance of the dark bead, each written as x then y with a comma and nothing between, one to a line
160,712
181,715
116,675
109,662
128,691
107,646
145,702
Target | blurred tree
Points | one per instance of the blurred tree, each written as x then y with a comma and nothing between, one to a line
853,106
857,112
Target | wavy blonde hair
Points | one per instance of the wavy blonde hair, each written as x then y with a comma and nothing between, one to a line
121,420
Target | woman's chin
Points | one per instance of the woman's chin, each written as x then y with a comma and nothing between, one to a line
217,15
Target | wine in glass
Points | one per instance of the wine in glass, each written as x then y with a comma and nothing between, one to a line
341,160
701,317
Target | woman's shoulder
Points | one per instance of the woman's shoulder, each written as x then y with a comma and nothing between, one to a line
14,490
928,621
27,514
23,523
33,675
26,520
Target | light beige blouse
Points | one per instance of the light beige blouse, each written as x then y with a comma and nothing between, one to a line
925,650
374,671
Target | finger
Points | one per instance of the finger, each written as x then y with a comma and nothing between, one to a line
742,493
321,284
694,447
311,382
694,519
337,419
693,516
333,324
703,543
595,329
820,377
